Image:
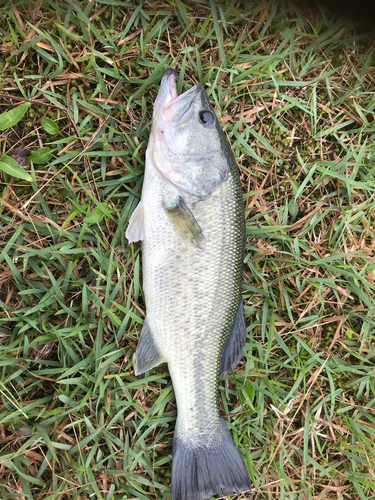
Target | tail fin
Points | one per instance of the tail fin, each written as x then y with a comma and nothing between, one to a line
200,471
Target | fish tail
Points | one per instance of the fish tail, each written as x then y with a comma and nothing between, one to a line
201,470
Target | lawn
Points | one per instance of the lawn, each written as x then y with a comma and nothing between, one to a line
294,92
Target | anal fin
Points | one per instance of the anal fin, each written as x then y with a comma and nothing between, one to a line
234,346
148,355
136,228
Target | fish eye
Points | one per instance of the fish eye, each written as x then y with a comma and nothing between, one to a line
206,117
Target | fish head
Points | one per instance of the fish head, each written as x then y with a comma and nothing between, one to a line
187,145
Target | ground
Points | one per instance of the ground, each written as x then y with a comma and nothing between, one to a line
294,92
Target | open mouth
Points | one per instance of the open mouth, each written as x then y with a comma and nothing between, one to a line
173,107
191,94
171,85
176,106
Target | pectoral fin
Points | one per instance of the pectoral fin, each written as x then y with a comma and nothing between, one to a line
234,346
148,355
184,221
136,228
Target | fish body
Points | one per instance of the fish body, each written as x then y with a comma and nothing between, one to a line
192,226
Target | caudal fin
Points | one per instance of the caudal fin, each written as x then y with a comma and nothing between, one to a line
200,471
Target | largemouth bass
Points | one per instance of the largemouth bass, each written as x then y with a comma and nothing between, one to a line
192,226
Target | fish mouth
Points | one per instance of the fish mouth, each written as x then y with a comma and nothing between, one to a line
167,91
175,107
170,79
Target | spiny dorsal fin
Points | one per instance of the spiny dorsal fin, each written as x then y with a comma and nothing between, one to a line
184,221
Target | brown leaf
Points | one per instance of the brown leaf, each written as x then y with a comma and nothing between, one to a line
225,119
45,46
17,15
248,116
6,47
109,397
344,291
34,456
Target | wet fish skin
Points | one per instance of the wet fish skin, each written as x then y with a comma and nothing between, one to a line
191,220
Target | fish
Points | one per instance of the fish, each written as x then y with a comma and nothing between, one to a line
191,223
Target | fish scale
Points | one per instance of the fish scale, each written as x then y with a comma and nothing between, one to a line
192,286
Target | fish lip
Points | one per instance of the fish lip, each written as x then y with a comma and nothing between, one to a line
195,90
170,71
167,91
190,95
170,79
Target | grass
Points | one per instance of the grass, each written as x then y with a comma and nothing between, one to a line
295,94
